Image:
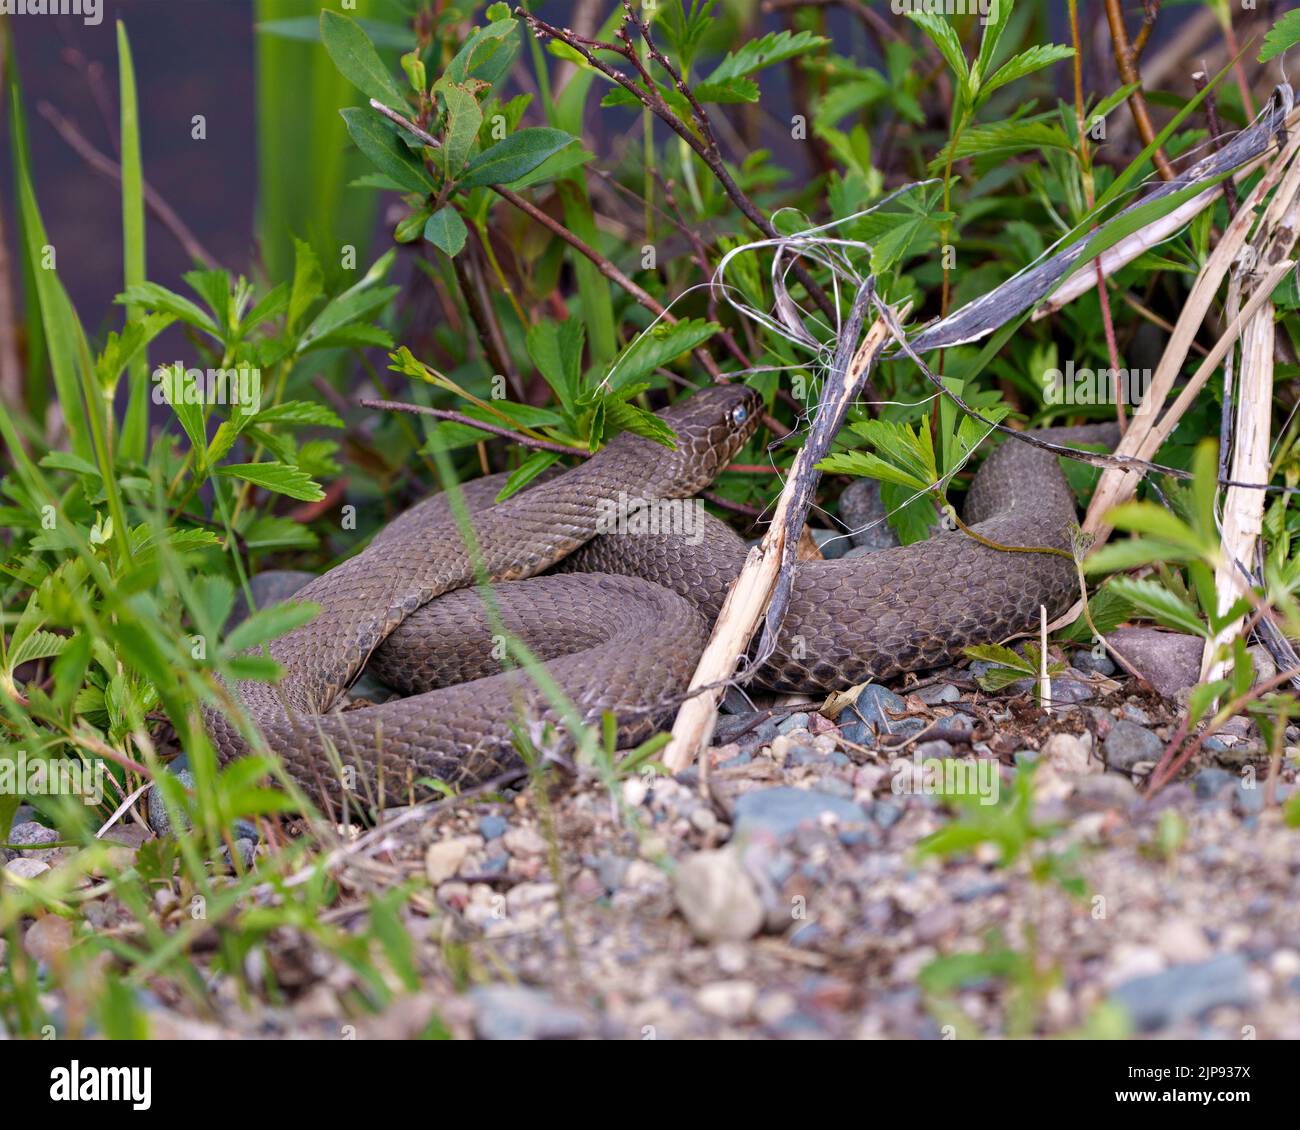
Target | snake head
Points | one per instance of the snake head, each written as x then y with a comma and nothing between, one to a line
711,427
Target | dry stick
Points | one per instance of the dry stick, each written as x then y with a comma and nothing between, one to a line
1143,438
106,166
1151,235
757,586
1243,511
1126,60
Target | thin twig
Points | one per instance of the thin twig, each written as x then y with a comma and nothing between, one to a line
106,166
470,422
1126,61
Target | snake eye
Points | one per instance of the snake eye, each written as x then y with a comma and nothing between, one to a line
739,414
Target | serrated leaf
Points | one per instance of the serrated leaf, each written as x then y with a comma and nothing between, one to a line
278,477
659,346
775,47
39,645
299,413
514,157
1026,63
629,418
944,37
357,60
1160,604
1282,36
556,350
157,297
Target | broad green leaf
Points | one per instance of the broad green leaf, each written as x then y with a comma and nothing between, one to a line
380,143
308,282
464,117
556,350
629,418
446,231
169,302
658,346
357,60
514,157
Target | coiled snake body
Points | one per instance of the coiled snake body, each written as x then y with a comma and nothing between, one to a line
623,626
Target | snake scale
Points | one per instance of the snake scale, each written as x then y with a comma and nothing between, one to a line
622,624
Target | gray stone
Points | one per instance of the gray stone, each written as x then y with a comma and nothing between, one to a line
1211,782
797,721
1169,661
1128,745
1185,992
832,543
935,749
31,836
939,694
1086,661
516,1012
863,512
717,897
492,827
160,822
780,811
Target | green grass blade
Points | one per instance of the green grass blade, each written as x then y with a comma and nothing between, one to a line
36,392
136,426
63,332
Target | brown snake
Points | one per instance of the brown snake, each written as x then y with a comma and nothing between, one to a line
623,627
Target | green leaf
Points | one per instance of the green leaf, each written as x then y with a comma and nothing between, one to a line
446,231
487,54
514,157
464,118
308,282
268,624
775,47
306,29
299,413
556,166
278,477
136,426
1282,36
945,39
993,29
629,418
380,143
526,472
658,346
556,350
1160,604
1005,138
1026,63
357,60
169,302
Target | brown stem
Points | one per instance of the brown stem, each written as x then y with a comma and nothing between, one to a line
704,144
469,421
1126,61
1201,80
106,166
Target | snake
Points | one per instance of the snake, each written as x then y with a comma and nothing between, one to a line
610,617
